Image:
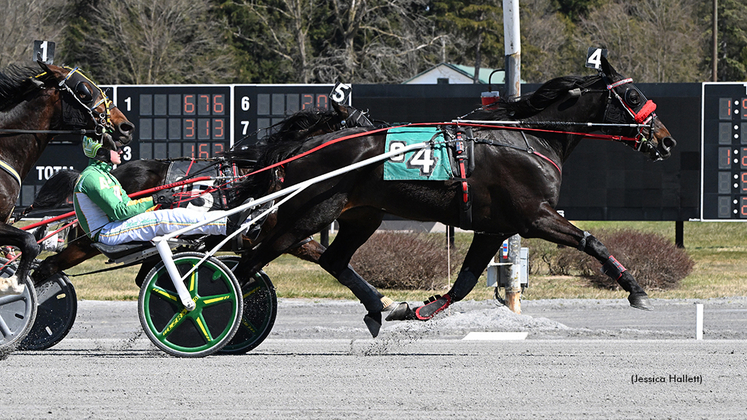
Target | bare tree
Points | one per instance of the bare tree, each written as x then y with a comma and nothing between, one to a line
362,41
378,41
546,52
650,40
284,27
23,22
156,41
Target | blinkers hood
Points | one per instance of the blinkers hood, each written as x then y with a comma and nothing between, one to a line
73,114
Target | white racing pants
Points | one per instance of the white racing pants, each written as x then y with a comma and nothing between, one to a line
148,225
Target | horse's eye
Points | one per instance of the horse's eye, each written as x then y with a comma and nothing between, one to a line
84,94
632,97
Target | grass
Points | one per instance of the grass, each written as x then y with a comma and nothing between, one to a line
719,251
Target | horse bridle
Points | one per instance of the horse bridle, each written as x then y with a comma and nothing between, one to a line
84,98
637,107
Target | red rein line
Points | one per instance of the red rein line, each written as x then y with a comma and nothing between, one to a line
367,133
348,137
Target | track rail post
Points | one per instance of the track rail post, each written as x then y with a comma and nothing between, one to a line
512,43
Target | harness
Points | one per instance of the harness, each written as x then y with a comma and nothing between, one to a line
463,163
102,121
635,103
83,97
9,169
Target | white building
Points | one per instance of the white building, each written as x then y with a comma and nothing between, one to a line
447,73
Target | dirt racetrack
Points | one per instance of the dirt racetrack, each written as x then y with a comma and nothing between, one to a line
580,359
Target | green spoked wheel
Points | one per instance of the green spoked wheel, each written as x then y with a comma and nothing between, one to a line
260,310
17,312
202,331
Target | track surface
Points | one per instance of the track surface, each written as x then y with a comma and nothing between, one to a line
580,360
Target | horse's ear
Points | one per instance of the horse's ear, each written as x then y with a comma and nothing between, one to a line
342,110
49,76
607,68
44,66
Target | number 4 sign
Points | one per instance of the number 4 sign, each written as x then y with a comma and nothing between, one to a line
44,52
594,57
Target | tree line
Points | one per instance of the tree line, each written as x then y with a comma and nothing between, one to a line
371,41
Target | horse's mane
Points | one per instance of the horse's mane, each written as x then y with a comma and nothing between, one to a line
14,80
532,103
287,135
285,141
299,124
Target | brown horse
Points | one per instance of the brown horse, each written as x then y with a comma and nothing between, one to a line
34,107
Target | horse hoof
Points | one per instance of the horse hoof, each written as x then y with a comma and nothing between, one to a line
640,302
401,312
429,310
373,322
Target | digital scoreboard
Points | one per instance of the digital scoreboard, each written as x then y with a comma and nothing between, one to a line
176,121
196,121
724,152
257,108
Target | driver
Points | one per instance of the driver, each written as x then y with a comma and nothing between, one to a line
107,215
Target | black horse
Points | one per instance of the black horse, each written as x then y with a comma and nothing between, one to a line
146,174
514,186
34,107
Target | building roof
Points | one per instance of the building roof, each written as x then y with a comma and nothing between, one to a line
456,74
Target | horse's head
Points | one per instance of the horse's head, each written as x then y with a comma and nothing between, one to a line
86,106
350,116
626,104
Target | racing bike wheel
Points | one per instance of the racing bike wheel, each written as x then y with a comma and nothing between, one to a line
55,315
17,312
202,331
260,310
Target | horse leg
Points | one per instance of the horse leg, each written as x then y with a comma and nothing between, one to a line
311,250
26,243
74,253
356,226
611,267
555,228
480,252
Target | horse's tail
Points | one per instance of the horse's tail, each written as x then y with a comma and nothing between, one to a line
56,192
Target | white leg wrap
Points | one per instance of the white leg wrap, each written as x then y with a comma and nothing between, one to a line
10,286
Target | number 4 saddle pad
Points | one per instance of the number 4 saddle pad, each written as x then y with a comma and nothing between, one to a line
429,164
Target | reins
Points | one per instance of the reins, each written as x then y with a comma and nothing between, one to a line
468,123
81,131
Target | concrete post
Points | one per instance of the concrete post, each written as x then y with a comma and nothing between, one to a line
513,89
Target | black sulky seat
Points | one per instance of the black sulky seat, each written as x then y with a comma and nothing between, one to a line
116,252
